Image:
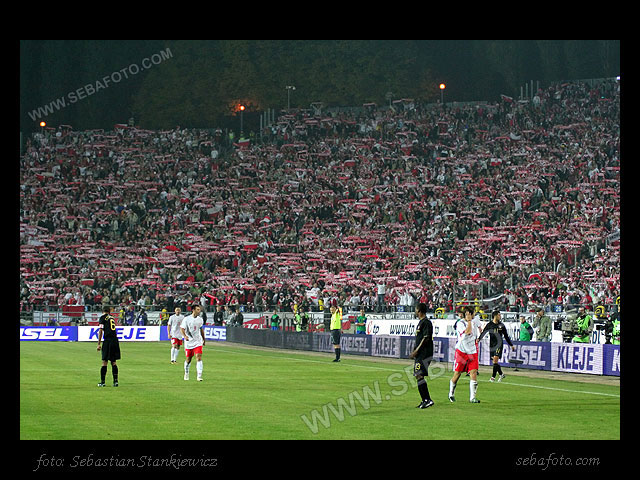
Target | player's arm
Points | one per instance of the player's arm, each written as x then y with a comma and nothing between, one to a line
100,332
184,334
204,340
484,332
169,330
506,336
414,354
467,331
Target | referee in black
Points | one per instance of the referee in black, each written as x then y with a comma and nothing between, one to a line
496,330
111,347
422,354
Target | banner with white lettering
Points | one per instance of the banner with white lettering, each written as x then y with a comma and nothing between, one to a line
611,359
577,357
49,334
533,355
355,344
595,359
407,327
403,324
385,346
352,344
217,333
391,327
124,333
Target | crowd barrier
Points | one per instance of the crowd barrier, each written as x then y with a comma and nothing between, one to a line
591,358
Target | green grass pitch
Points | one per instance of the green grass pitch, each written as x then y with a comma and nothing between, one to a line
268,394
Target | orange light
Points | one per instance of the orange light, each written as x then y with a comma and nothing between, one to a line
43,124
241,107
442,86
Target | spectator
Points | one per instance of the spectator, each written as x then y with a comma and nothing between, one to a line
129,315
354,301
382,290
142,317
218,316
543,324
239,318
544,215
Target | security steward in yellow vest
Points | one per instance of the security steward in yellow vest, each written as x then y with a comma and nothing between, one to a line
336,330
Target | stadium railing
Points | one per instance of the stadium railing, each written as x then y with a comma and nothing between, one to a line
258,317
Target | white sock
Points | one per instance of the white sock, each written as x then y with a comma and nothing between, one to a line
186,367
452,388
199,368
173,354
473,388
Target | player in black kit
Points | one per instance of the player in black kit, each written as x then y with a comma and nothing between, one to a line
422,354
496,330
110,348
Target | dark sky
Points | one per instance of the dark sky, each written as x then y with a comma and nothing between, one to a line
54,73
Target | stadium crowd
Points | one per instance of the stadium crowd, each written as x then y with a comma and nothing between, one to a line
518,200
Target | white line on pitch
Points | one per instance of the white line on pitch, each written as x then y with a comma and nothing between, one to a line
394,369
562,389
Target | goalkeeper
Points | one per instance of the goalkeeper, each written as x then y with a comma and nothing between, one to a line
496,330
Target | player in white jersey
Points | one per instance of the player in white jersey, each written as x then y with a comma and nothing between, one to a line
175,334
466,355
193,340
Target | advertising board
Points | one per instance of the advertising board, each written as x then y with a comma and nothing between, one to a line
124,333
590,358
49,334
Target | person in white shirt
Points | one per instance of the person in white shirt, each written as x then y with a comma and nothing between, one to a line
313,294
194,340
175,334
382,290
407,299
355,301
466,356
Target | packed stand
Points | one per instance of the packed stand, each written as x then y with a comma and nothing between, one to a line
515,200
